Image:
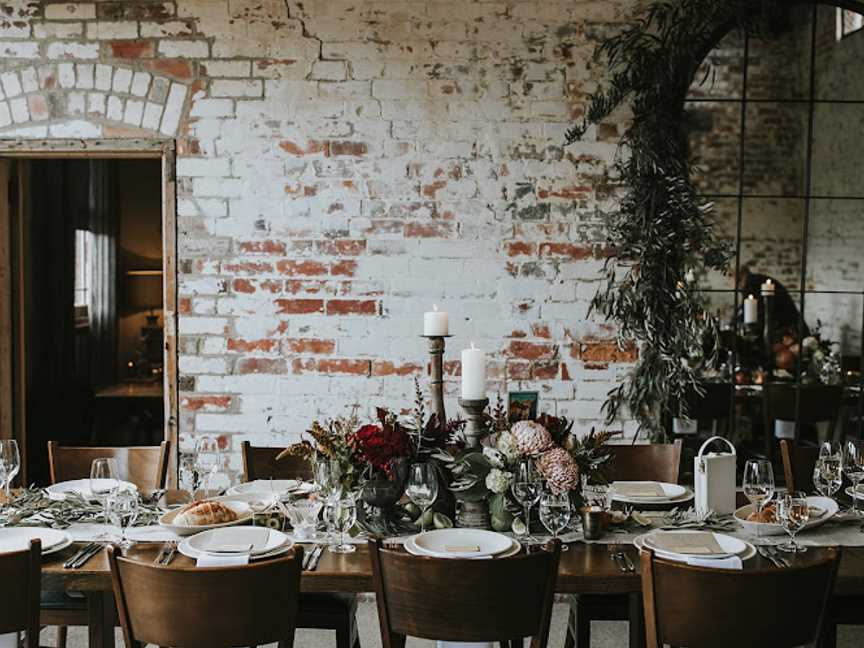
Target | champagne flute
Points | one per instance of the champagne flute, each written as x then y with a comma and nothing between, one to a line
342,513
123,511
853,468
758,484
793,512
103,482
526,488
10,464
555,513
422,488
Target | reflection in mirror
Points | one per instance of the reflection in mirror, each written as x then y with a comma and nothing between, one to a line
721,75
725,212
839,55
715,143
836,321
775,149
838,148
835,243
779,61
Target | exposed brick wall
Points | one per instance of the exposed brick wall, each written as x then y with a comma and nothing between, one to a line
342,167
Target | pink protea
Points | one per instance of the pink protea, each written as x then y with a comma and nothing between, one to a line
559,470
531,437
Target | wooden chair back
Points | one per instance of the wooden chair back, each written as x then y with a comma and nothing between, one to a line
194,607
714,403
646,462
20,586
699,608
260,463
144,466
802,403
798,464
489,600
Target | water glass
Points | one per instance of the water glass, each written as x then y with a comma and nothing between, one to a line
555,513
422,488
827,475
342,514
758,483
103,482
853,468
793,512
10,464
123,511
526,488
208,459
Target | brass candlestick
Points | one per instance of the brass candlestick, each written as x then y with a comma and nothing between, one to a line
474,514
436,375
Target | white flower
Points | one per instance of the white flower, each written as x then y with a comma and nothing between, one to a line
498,481
506,445
495,457
810,343
818,356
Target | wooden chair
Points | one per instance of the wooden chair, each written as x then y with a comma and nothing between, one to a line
711,608
646,462
144,466
20,585
321,610
798,464
714,404
194,607
464,600
806,404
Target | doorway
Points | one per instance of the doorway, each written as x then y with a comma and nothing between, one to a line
87,297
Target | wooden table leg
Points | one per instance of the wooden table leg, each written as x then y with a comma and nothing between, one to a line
100,609
637,621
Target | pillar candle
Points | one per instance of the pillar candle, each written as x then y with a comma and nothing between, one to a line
436,322
751,310
473,374
768,288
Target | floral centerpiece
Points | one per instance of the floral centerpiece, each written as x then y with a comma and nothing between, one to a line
818,363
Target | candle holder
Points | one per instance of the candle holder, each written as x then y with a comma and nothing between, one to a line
474,515
768,330
436,344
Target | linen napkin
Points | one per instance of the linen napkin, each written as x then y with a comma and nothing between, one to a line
207,560
704,544
639,489
733,562
9,640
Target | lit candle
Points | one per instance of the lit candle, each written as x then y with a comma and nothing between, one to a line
436,323
768,288
751,310
473,374
690,277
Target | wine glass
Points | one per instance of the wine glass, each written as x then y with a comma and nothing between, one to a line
555,513
526,488
342,514
853,468
103,482
207,460
10,464
758,483
827,475
422,488
793,512
123,511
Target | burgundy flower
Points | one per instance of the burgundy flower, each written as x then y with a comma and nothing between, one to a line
380,445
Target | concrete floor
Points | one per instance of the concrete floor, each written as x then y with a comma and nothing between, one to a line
605,634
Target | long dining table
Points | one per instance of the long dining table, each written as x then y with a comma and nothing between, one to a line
584,569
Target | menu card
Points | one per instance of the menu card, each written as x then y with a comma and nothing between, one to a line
702,544
639,489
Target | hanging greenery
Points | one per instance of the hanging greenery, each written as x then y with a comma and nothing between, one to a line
662,228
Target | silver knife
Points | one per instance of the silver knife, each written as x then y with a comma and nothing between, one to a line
77,555
161,555
96,548
313,564
307,556
170,556
629,562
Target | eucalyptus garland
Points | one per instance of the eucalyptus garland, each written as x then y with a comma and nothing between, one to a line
34,507
663,228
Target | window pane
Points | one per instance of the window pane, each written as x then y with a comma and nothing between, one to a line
839,68
714,129
779,67
721,75
838,150
775,147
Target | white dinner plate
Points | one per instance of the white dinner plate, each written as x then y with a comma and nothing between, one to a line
439,543
671,493
859,494
639,543
184,548
242,509
826,504
412,548
262,540
729,545
274,487
59,490
18,539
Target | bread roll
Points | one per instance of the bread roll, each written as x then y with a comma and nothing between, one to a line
201,513
767,516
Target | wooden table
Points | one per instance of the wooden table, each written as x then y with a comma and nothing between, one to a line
585,569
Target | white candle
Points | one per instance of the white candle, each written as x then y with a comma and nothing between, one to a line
768,288
751,310
473,374
690,277
436,322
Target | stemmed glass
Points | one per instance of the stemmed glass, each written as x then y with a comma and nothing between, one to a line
207,459
328,479
422,488
10,464
793,512
123,511
758,483
527,487
103,482
827,473
853,467
555,513
342,514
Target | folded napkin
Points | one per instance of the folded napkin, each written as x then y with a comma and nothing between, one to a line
733,562
9,640
207,560
639,489
704,544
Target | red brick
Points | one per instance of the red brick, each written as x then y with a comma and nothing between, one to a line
429,229
300,306
521,248
312,147
607,351
565,372
338,247
519,370
541,330
133,10
312,346
243,286
132,49
261,366
352,307
247,346
301,268
569,250
568,193
355,149
531,350
262,247
345,268
431,189
333,366
387,368
185,305
547,370
209,402
308,287
248,267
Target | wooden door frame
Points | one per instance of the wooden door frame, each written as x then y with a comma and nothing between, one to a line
159,149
